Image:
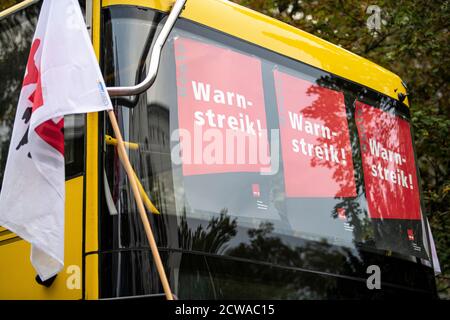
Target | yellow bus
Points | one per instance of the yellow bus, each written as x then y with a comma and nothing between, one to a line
325,204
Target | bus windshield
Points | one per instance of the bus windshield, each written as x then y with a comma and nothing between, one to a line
251,155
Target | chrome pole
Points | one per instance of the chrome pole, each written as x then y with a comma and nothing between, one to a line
155,56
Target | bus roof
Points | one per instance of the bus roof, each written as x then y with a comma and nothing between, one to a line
282,38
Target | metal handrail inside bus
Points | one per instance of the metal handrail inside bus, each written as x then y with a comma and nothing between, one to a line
155,56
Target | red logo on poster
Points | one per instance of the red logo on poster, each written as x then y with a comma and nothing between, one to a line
315,140
341,214
410,234
255,190
220,110
388,163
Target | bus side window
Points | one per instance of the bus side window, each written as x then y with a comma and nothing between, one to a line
16,34
74,128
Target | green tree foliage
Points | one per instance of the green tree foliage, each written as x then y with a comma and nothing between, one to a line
412,41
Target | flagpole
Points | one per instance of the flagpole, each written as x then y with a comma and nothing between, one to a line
140,205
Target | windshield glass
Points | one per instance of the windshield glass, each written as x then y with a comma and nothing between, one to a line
252,155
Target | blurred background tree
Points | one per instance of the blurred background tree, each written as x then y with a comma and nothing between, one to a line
412,40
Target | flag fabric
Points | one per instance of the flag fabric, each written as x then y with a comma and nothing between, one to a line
62,77
434,256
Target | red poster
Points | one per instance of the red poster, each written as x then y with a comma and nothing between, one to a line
315,140
221,110
388,161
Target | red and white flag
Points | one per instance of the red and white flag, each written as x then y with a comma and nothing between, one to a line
62,77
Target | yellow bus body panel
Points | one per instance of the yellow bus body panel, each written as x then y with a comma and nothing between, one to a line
17,276
92,178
